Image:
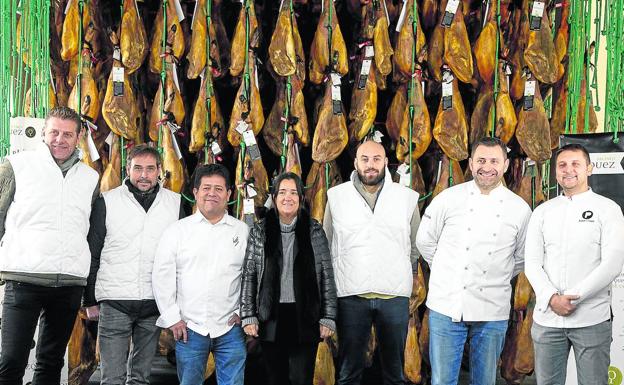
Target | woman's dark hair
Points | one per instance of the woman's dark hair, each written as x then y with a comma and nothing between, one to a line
290,176
210,170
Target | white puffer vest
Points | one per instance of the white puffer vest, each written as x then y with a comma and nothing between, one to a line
130,245
48,220
371,249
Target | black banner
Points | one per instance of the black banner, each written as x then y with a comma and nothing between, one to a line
607,158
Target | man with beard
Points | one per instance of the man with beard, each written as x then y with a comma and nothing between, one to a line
126,225
574,251
472,237
371,225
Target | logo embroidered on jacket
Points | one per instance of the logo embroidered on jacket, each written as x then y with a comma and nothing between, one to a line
587,216
235,240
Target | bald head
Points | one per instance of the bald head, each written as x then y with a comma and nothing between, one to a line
370,163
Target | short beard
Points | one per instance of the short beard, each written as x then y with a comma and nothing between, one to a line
373,182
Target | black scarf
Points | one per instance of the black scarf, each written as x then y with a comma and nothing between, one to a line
145,198
304,271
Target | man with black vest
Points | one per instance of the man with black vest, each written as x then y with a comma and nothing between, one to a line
371,225
45,203
126,225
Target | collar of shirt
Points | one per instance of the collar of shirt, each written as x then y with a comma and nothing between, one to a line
580,197
199,217
498,191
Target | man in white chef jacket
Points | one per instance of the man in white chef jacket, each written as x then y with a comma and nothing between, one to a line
196,280
574,250
472,237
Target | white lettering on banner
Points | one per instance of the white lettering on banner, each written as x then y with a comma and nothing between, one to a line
25,133
607,162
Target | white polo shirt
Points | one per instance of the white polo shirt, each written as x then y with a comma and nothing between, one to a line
197,273
575,245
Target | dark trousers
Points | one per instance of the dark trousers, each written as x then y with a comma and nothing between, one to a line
356,315
287,360
24,305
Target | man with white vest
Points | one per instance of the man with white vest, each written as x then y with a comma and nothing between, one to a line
472,237
371,225
126,225
574,250
45,203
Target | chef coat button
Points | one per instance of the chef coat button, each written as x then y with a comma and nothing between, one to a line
494,234
465,267
489,253
467,248
481,289
464,287
471,210
484,271
497,215
501,201
469,229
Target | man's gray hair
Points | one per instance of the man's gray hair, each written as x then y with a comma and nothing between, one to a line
65,113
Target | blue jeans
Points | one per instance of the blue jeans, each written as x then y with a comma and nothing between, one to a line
446,347
356,315
229,352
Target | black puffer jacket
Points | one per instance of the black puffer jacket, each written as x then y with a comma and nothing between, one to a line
254,266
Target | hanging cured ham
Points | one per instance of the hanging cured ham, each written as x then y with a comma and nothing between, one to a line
172,105
324,370
273,131
174,38
252,171
457,53
111,177
119,109
321,60
409,41
282,52
197,52
540,54
533,130
172,173
70,36
319,180
394,117
89,95
239,43
413,360
133,39
450,174
421,126
204,127
247,106
381,41
485,46
363,101
330,134
451,128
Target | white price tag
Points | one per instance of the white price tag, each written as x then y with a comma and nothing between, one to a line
404,175
447,89
248,206
251,190
117,53
530,162
366,66
178,8
91,125
175,77
109,139
529,88
451,6
335,93
538,9
93,151
269,202
118,74
369,51
241,126
176,146
335,79
249,138
402,16
403,169
377,135
216,149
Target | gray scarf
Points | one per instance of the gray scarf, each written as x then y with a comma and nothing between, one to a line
72,160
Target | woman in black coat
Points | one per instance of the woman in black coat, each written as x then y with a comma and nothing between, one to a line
288,294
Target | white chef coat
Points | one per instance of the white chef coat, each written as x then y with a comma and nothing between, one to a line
197,273
575,245
474,244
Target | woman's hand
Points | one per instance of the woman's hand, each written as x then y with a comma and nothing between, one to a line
326,332
251,330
